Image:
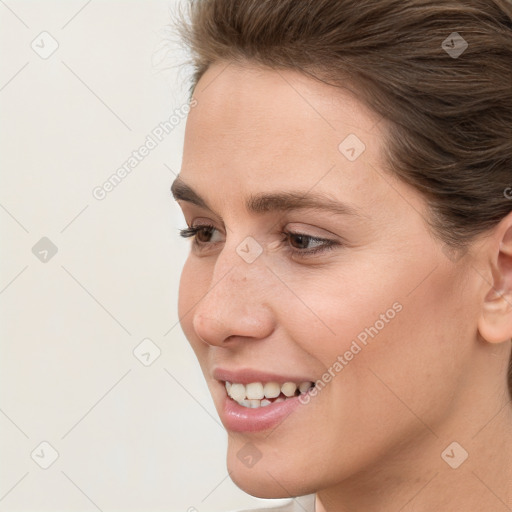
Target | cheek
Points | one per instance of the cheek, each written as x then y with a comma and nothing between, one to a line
330,315
416,361
390,339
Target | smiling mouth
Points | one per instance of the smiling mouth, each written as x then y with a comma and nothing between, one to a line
262,394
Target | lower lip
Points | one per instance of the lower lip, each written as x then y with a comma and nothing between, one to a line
237,418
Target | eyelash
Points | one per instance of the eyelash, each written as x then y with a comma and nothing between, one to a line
328,245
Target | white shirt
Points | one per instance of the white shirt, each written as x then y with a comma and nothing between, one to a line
301,504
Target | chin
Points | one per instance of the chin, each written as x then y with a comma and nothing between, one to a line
269,479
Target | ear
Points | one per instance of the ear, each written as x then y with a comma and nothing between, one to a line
495,322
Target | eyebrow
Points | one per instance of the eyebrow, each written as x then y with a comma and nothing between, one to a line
267,202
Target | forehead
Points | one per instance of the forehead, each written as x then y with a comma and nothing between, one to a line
257,126
264,101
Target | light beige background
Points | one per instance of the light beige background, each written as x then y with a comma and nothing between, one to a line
129,437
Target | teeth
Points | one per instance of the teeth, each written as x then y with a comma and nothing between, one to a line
272,390
289,388
237,392
256,394
304,386
254,391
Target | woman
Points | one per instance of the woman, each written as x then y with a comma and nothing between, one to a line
346,179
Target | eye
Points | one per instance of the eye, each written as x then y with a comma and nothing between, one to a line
304,241
202,233
198,232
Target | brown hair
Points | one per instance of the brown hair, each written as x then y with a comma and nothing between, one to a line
449,112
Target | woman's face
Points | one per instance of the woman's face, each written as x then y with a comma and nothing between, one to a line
380,320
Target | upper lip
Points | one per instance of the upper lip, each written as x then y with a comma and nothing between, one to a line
248,375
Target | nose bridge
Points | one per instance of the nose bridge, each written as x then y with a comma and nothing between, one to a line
240,269
235,303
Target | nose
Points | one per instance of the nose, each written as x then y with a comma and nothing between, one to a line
236,303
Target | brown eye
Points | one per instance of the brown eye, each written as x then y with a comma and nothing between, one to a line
204,233
200,234
302,241
298,244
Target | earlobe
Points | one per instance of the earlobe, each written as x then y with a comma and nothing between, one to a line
495,322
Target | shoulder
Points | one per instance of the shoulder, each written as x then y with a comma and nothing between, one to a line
301,504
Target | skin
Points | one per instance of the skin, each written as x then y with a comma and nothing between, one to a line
372,439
